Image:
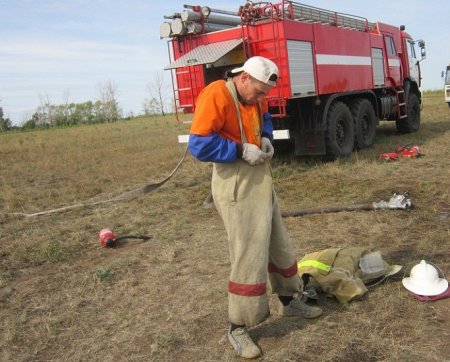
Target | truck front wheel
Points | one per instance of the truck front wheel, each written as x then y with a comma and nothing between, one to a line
340,132
412,122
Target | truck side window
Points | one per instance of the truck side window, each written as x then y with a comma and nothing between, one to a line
389,45
411,50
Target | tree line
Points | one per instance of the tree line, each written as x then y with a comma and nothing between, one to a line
5,123
104,110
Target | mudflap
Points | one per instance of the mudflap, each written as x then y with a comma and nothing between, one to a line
309,142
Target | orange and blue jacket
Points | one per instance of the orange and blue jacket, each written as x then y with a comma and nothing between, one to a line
215,132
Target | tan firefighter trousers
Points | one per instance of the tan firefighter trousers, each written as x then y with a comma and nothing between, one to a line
258,242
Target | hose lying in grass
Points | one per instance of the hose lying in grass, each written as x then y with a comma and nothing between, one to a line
124,196
397,202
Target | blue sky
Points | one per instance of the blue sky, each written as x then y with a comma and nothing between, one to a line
60,48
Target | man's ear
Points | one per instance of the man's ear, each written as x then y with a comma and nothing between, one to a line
245,76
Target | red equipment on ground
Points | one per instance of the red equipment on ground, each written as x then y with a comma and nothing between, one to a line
402,152
409,152
339,74
108,239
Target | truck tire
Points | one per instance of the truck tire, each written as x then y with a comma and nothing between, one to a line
412,122
365,123
340,132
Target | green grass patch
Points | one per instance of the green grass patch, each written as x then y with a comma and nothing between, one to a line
104,274
38,254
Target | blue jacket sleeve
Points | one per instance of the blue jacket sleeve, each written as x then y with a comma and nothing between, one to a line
212,148
267,127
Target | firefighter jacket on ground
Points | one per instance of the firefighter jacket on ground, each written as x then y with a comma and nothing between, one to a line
343,272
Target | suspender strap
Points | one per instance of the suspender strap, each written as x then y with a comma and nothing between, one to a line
232,90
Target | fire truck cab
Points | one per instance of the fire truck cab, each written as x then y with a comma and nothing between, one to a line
339,74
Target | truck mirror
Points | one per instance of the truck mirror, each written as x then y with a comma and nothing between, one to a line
442,74
423,53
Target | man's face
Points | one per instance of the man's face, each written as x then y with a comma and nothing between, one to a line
251,90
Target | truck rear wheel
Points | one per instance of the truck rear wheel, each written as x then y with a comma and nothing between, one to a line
340,132
365,123
412,122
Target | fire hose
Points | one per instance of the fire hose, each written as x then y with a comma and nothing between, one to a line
124,196
397,202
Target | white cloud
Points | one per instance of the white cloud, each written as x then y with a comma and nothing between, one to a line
65,50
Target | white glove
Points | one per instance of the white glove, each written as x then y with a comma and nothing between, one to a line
252,154
267,148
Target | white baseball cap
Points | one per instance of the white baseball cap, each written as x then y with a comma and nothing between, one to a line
261,69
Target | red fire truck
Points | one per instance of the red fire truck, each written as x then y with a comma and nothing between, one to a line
339,74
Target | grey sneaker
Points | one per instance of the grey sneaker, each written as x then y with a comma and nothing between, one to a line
297,308
243,344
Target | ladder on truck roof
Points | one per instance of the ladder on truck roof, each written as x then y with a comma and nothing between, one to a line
304,13
311,14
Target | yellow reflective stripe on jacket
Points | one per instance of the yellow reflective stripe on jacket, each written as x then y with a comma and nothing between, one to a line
315,264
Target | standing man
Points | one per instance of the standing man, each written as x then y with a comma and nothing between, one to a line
233,129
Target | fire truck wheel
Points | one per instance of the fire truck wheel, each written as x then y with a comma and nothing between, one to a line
412,122
340,132
365,122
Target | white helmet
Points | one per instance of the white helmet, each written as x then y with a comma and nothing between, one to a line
424,280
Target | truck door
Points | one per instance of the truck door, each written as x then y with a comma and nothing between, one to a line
393,66
413,62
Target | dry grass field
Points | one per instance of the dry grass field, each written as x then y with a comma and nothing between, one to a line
63,297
